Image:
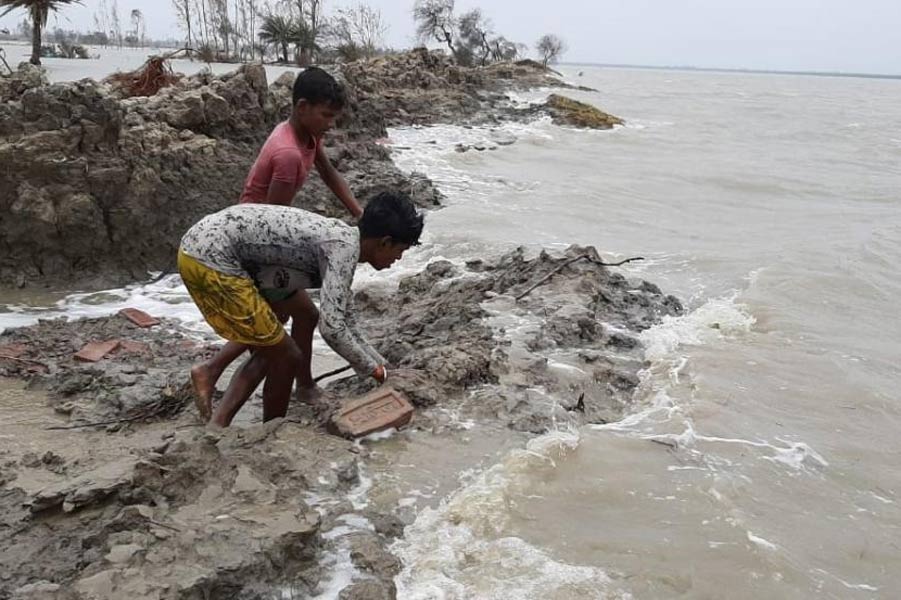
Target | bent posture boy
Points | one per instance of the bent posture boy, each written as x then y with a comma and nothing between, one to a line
222,254
281,168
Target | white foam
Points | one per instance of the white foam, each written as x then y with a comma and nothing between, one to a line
166,298
342,574
762,542
713,320
461,549
851,586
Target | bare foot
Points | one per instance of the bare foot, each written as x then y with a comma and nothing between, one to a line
204,386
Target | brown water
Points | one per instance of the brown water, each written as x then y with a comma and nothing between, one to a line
760,460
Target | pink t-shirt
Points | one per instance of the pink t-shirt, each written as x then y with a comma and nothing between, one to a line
282,158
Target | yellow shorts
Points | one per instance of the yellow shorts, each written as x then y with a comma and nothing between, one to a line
231,305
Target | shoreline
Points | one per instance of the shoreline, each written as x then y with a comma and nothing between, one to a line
304,495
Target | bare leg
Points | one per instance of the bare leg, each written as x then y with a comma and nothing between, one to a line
277,363
205,375
283,365
242,385
305,317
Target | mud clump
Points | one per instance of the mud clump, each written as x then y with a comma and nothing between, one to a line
201,515
566,111
144,379
447,330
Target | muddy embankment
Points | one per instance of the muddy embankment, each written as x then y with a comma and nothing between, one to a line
96,189
163,508
128,495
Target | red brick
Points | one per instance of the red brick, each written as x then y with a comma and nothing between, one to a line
94,351
139,317
381,409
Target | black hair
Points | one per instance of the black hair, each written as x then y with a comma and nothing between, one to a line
318,87
392,214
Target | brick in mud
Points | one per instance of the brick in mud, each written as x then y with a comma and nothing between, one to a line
95,351
139,317
382,409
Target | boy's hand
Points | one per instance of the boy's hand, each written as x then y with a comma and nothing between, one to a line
380,374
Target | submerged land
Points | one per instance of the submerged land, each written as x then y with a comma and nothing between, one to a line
112,487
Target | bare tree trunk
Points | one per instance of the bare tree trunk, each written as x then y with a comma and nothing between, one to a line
314,26
188,20
248,28
35,39
205,29
235,42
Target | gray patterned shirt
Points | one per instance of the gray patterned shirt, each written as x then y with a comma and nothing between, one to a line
249,240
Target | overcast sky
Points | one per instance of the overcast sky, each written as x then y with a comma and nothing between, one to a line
817,35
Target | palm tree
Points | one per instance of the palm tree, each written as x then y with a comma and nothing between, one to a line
278,30
38,10
304,37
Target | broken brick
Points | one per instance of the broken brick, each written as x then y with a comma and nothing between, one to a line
139,317
94,351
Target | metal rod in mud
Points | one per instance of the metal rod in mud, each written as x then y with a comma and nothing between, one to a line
571,261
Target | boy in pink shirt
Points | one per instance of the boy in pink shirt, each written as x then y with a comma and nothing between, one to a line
281,168
296,145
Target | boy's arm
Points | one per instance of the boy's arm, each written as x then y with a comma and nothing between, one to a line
336,183
335,305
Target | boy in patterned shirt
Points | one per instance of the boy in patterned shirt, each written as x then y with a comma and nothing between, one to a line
222,254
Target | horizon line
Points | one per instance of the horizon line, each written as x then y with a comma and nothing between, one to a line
862,75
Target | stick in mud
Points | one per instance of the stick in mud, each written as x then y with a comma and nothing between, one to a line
571,261
328,374
26,361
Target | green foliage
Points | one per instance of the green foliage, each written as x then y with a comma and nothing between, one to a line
278,30
39,10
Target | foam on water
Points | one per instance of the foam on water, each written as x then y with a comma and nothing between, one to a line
431,150
714,319
166,298
658,415
460,549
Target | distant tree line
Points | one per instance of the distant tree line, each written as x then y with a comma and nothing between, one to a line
470,38
296,31
286,30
